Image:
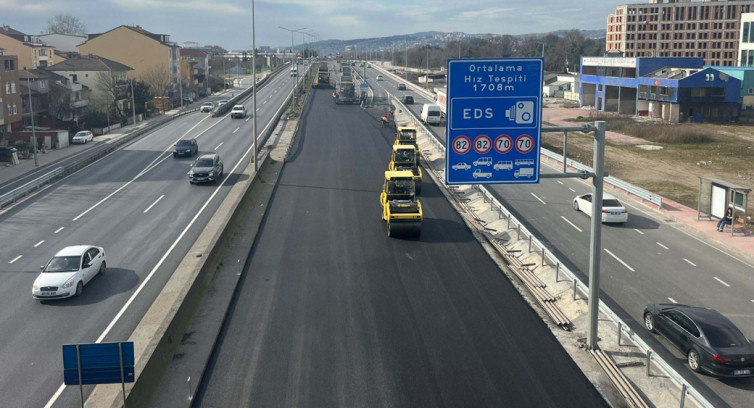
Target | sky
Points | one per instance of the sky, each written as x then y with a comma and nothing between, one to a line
228,23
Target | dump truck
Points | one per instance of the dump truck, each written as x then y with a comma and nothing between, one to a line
346,91
401,211
406,135
323,77
405,159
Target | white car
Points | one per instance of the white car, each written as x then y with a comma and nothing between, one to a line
222,102
478,173
378,77
483,161
83,137
612,209
207,107
68,271
461,166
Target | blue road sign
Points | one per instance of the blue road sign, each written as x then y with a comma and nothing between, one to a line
100,363
493,128
364,85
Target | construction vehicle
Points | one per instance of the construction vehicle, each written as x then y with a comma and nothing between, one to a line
406,135
404,159
347,91
400,209
323,77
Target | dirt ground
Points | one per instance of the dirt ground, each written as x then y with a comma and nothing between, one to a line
671,171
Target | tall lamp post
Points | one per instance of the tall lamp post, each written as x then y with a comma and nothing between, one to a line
293,62
133,101
31,110
254,80
426,78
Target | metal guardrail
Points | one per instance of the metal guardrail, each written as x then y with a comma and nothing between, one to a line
553,259
18,192
616,182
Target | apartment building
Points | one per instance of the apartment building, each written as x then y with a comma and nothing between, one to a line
31,51
10,95
95,73
678,28
147,53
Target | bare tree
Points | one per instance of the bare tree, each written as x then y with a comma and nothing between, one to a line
60,102
158,79
65,24
111,90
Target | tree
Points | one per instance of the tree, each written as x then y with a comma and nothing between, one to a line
157,79
65,24
111,89
60,102
142,95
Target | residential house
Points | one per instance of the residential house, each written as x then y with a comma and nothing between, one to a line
67,98
35,85
200,68
10,96
97,74
147,53
62,42
31,52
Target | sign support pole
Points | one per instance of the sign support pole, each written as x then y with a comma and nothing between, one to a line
122,374
595,244
81,383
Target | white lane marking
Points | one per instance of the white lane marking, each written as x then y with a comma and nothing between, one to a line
559,182
153,204
638,231
572,224
752,301
247,119
620,260
263,102
58,230
540,200
39,243
689,262
218,146
672,300
572,190
721,281
16,259
663,246
60,390
236,130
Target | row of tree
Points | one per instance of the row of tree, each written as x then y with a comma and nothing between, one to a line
561,52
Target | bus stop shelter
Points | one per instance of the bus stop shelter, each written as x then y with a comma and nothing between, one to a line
716,195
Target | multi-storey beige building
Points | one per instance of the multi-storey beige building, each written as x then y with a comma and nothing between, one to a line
145,52
10,95
31,51
678,28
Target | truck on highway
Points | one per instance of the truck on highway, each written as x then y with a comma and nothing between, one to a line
347,91
404,158
401,211
323,77
524,172
441,99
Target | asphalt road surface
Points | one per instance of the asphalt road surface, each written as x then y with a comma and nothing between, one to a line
137,203
331,312
647,260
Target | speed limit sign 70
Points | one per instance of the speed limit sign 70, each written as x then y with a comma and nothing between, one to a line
461,145
503,144
524,143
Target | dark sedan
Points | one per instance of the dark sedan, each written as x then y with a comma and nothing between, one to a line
408,100
186,147
710,341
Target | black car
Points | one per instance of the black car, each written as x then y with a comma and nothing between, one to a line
408,100
207,168
710,341
186,147
401,87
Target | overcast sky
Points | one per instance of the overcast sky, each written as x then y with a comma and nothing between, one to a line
228,22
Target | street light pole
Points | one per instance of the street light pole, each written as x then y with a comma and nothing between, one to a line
293,62
595,244
254,80
405,71
426,79
133,101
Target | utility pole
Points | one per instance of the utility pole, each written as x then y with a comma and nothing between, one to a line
133,101
31,109
405,71
595,243
426,79
254,80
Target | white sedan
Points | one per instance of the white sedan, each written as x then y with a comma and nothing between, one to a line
612,209
83,137
68,271
461,166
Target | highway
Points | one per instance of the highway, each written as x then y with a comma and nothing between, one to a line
647,260
331,312
138,205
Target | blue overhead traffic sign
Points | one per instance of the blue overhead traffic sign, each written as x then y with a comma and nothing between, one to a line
494,120
364,85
